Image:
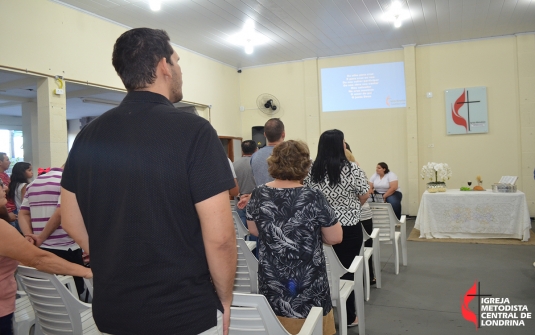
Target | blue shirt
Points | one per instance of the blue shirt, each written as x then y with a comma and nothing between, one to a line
260,165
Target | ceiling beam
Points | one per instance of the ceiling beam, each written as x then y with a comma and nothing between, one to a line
9,104
86,92
16,99
20,83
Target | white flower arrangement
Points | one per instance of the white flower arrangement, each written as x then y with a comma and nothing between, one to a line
436,171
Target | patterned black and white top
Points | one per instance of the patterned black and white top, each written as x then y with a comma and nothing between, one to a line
292,274
344,196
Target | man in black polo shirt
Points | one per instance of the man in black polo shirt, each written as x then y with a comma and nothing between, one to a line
145,192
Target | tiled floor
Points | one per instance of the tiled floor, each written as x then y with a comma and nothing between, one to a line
425,298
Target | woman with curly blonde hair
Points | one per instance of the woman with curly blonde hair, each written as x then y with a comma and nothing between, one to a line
292,222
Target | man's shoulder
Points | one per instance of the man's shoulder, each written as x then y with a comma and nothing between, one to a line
263,153
242,161
49,179
163,110
5,177
160,118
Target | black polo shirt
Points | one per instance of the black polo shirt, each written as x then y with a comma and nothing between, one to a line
137,171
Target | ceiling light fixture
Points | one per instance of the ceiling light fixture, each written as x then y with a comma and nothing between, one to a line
248,37
155,5
396,13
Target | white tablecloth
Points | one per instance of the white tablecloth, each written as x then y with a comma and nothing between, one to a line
473,214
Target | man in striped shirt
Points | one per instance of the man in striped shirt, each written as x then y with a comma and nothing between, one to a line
40,220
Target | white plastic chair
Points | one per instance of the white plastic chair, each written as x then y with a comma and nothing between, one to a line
367,253
57,310
68,281
385,219
341,288
89,285
246,280
251,314
241,231
24,316
233,204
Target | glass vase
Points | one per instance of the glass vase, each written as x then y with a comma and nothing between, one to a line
435,187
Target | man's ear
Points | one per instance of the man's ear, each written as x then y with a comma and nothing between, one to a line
163,66
283,135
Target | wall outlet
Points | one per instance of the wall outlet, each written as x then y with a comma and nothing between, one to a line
59,91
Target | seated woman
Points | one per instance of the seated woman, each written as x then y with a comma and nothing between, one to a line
385,182
14,249
291,222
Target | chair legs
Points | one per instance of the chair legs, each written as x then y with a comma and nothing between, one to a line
396,252
404,250
22,328
341,317
359,302
377,266
367,279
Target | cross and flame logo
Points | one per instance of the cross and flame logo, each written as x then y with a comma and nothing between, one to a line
467,313
458,119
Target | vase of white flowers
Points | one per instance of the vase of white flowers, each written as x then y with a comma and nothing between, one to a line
438,173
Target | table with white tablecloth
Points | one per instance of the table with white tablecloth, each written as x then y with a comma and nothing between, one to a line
473,214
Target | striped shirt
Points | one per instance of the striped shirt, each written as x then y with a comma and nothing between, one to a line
41,199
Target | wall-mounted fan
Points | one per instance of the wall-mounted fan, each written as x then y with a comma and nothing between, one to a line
268,104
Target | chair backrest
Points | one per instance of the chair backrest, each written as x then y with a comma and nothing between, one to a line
233,204
251,314
56,309
246,280
335,270
241,231
89,285
384,219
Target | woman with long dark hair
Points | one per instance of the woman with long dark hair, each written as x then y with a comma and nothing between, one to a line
20,177
345,186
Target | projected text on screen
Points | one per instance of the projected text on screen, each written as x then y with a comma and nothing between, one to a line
363,87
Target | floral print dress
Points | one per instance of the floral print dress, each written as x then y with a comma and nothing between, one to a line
292,274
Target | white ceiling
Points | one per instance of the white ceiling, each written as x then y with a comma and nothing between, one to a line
296,29
301,29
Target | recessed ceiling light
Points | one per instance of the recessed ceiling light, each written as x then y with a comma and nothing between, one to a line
396,13
248,37
155,5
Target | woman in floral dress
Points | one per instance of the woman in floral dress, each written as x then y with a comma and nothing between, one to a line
292,222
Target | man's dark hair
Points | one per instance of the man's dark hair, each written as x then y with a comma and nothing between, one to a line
136,54
274,129
2,155
248,147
